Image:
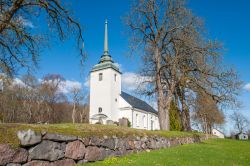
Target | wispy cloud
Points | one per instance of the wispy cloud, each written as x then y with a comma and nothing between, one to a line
247,87
67,86
19,82
86,83
130,81
26,22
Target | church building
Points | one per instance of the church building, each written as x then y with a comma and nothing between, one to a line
108,103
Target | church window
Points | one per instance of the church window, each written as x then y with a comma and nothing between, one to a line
144,121
100,76
100,109
115,77
137,120
115,99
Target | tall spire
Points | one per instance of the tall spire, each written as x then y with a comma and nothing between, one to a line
106,49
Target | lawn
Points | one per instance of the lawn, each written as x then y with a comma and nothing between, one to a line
8,131
213,152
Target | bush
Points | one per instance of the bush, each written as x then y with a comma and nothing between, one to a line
175,122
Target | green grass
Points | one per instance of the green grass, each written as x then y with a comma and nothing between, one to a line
213,152
8,131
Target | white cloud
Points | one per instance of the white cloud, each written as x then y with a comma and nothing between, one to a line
26,22
67,85
19,82
132,81
86,83
247,87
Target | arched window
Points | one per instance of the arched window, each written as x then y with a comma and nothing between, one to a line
100,110
144,121
115,77
100,76
136,120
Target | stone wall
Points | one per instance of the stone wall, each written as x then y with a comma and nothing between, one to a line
46,149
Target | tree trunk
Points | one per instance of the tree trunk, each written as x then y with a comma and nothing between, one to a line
162,107
73,113
185,116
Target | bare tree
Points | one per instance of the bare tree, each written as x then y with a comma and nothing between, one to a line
240,121
77,97
19,43
50,94
207,113
178,59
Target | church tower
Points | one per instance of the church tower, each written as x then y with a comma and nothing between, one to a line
105,87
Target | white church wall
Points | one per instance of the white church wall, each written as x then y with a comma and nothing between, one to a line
144,120
115,94
125,109
103,93
153,122
139,119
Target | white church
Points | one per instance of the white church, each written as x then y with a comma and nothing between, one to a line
108,103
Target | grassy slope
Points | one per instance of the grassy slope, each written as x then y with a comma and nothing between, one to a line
213,152
8,131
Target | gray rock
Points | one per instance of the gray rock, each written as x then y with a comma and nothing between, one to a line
21,156
93,153
66,162
131,145
106,153
29,137
6,154
75,150
59,137
13,164
96,141
86,141
11,155
137,145
37,163
47,150
110,143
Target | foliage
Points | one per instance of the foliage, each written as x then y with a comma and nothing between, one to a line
175,122
82,130
215,152
129,124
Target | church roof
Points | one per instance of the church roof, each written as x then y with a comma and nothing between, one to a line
138,103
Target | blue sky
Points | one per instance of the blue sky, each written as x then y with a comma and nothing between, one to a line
225,20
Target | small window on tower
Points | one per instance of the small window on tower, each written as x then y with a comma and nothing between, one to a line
115,77
100,110
100,76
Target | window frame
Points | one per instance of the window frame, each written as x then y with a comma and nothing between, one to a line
100,76
99,110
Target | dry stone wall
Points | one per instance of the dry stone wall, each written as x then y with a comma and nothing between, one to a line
47,149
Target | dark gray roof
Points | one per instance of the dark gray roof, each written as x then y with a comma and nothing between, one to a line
138,103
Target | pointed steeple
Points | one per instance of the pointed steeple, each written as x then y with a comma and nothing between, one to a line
106,60
106,57
106,49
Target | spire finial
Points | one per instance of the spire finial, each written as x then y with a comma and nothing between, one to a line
106,49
